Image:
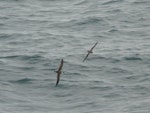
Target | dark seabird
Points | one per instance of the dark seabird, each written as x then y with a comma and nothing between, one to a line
59,72
90,51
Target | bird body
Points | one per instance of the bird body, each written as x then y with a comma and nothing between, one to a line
90,51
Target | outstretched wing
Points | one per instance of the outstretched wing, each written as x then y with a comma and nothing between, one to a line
86,57
61,65
94,46
58,78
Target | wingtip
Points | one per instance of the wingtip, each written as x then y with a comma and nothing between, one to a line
56,85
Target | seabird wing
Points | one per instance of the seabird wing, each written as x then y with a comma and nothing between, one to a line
94,46
86,56
58,78
61,65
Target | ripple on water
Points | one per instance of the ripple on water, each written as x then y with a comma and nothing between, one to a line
112,2
31,58
133,58
89,20
23,81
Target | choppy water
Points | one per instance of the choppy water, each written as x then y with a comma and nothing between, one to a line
36,34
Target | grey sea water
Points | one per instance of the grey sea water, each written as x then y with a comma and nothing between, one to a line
36,34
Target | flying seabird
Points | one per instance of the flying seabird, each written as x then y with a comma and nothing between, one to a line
90,51
59,71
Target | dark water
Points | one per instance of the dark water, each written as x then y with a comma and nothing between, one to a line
36,34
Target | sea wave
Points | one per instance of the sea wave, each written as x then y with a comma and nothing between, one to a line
22,81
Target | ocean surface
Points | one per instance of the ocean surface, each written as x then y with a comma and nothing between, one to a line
36,34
